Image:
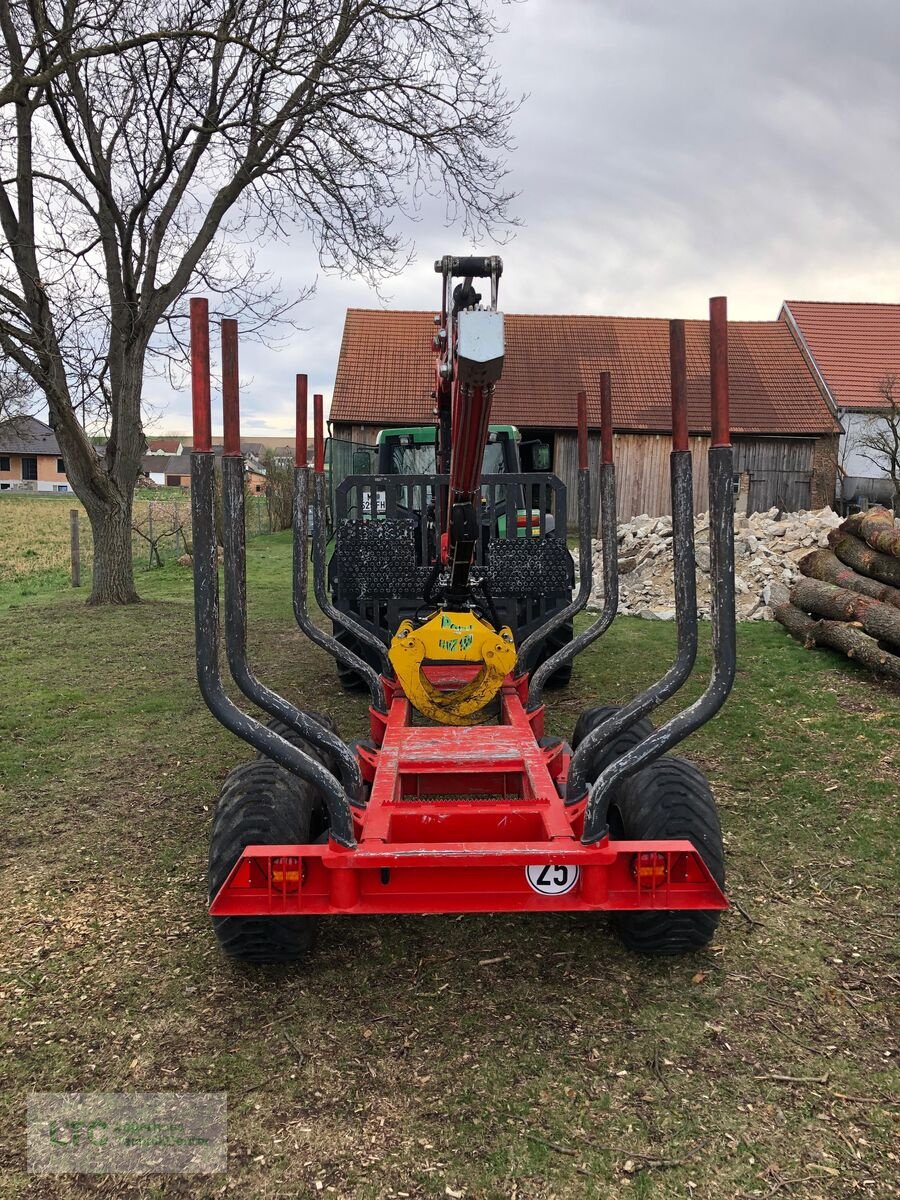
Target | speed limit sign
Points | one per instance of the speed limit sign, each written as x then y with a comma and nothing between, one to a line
552,880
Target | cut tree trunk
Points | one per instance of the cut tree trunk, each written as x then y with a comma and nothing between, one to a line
877,619
839,636
113,575
856,554
824,565
876,526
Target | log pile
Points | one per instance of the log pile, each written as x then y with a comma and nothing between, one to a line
849,596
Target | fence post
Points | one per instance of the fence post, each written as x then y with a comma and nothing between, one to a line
76,547
177,530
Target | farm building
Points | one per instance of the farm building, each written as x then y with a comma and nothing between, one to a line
165,445
172,470
30,460
854,352
785,433
175,470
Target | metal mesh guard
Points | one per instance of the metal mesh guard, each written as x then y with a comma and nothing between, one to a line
377,559
528,566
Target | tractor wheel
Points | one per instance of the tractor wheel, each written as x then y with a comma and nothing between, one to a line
260,804
590,719
350,680
558,638
670,798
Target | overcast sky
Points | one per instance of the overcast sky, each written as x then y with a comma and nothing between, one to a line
666,152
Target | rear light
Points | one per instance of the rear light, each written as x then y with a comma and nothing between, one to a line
286,874
650,866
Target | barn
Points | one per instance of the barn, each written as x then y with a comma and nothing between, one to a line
785,433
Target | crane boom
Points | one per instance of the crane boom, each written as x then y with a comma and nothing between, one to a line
469,350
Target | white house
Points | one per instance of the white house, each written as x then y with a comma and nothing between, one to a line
853,350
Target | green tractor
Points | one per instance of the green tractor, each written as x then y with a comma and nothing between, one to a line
523,583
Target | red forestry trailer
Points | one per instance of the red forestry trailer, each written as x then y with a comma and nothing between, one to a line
456,800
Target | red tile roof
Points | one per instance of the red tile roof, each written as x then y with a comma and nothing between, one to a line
385,373
164,445
853,345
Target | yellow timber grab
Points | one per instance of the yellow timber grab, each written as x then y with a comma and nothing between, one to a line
452,637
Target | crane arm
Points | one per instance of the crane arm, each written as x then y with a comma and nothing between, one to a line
469,349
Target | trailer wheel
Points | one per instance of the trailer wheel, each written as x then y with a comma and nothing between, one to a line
590,719
260,804
669,798
320,821
290,735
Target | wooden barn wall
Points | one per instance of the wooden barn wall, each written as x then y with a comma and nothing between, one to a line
781,471
355,433
642,473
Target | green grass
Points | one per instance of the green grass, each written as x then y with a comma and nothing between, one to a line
492,1056
35,546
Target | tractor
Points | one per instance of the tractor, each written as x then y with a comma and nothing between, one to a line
456,800
407,484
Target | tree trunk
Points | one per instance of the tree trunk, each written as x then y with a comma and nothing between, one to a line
824,565
877,619
876,526
839,636
856,554
113,579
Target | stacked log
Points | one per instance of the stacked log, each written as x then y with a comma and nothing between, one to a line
849,598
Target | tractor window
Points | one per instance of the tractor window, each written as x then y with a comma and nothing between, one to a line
412,460
420,459
494,461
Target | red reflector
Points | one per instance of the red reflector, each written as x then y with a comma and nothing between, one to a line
649,867
286,874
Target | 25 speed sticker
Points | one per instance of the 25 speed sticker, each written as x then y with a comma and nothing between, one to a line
552,880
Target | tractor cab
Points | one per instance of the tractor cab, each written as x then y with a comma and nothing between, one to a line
412,450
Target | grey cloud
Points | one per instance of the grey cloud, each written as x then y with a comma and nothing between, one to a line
666,152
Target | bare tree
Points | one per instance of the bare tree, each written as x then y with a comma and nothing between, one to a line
152,148
17,394
279,491
879,441
159,521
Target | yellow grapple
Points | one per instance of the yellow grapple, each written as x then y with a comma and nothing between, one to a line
452,637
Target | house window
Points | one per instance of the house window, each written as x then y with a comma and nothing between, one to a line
4,462
5,487
29,467
173,481
61,487
60,467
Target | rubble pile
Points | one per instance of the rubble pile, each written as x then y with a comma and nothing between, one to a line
767,548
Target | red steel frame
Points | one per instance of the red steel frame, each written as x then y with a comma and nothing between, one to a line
454,817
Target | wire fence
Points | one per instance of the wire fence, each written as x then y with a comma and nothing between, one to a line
40,536
161,529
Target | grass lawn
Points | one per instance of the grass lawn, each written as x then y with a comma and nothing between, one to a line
476,1056
35,538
